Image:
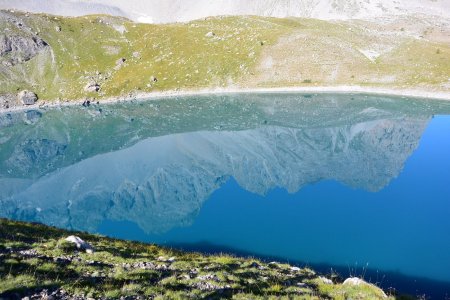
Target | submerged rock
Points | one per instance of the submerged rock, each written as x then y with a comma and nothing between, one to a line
27,97
32,116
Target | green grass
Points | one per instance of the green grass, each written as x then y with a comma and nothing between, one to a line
113,270
341,291
182,56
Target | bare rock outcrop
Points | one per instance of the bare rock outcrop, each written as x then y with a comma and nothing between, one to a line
17,49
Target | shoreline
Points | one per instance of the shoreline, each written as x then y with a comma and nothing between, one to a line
136,270
406,93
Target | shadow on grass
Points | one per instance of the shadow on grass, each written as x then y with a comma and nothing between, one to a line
392,282
19,293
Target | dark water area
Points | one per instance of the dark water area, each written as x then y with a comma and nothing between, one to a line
354,184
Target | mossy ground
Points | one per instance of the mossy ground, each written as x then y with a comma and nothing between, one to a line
34,257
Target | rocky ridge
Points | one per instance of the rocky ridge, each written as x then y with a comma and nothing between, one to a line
181,10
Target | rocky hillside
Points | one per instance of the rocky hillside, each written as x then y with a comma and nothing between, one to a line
155,11
96,57
41,262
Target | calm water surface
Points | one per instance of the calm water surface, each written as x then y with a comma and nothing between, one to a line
360,184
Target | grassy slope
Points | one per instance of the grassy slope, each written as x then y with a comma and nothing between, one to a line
181,56
113,271
326,53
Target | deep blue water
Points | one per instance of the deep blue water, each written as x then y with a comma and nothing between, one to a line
358,184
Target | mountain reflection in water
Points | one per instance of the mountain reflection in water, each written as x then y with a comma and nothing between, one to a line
155,163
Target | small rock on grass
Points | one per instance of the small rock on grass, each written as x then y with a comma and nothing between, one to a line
92,87
80,244
355,281
326,280
119,63
164,259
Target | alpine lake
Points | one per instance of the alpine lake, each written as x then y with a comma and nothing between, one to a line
348,183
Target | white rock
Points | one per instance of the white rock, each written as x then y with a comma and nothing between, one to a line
92,87
295,269
354,281
325,280
82,245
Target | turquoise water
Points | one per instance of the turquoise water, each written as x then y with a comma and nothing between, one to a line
358,184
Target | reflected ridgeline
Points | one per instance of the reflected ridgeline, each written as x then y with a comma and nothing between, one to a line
154,163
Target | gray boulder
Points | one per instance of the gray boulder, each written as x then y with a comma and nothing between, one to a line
92,87
80,244
27,97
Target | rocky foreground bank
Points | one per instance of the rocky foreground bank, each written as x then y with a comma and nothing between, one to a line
41,262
